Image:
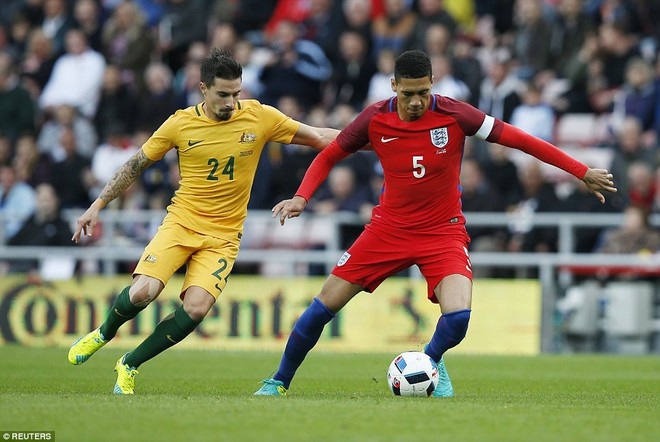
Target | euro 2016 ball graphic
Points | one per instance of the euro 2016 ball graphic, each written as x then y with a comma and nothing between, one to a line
412,373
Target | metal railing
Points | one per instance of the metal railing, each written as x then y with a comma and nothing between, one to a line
548,264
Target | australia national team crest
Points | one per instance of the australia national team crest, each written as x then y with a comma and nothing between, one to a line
439,137
248,138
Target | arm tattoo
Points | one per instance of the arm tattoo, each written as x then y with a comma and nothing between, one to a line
125,176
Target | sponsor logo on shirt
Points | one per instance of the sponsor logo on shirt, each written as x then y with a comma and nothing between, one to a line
440,138
151,259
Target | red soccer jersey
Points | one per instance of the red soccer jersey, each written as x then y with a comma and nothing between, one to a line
421,159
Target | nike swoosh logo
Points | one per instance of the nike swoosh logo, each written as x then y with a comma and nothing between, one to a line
172,340
387,140
192,143
117,312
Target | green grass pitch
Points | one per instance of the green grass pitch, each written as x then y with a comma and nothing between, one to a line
186,395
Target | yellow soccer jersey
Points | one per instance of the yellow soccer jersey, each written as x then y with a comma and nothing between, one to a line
218,161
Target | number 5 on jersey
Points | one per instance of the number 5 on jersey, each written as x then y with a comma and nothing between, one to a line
418,168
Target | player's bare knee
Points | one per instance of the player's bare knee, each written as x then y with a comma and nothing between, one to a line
197,313
197,309
197,302
144,290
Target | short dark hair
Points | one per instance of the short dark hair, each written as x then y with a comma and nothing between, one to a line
412,64
221,64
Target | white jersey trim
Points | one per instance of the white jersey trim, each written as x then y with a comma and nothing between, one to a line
486,128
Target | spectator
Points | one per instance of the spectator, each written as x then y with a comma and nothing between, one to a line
464,12
17,110
37,62
45,227
621,13
322,26
502,174
641,185
297,68
186,81
72,177
353,71
568,33
634,236
638,96
128,43
253,15
533,115
466,67
357,17
66,85
342,193
479,196
531,40
19,33
182,22
222,36
628,149
31,166
57,22
83,129
444,82
109,156
288,163
580,200
6,150
159,100
294,11
380,85
393,29
617,48
499,92
32,10
87,14
587,86
17,200
117,104
243,53
152,10
430,13
538,196
436,40
376,183
10,10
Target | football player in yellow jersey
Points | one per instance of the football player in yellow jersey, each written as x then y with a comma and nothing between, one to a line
219,143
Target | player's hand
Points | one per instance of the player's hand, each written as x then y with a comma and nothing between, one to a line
86,223
598,180
289,208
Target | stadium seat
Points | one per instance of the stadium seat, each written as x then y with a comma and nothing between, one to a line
581,129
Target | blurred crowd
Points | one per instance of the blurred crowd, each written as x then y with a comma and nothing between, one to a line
83,83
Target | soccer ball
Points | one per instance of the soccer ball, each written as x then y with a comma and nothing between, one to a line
413,373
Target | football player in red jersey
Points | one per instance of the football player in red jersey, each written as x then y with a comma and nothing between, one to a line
419,140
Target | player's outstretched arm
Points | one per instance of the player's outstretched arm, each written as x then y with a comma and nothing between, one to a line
291,208
598,180
316,137
124,177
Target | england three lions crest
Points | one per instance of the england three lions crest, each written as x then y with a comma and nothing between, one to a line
439,137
